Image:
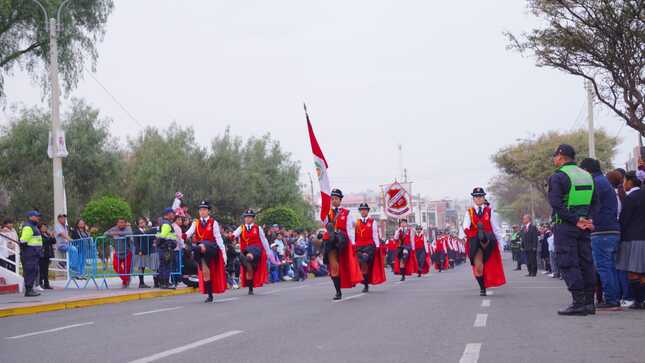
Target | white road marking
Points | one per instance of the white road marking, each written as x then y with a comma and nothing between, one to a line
156,311
485,303
186,347
50,330
225,300
480,320
349,297
471,353
490,293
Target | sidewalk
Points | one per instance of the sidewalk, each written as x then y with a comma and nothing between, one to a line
72,298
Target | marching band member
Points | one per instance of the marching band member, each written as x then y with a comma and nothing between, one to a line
209,252
368,250
483,246
406,260
254,248
440,257
338,246
422,251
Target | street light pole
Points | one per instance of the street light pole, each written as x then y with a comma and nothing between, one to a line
592,138
51,25
57,160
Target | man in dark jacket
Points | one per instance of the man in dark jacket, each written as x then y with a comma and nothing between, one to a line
605,239
530,244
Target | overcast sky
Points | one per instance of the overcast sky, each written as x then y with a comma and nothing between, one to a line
433,76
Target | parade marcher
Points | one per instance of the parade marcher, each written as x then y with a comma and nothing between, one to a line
209,251
166,243
368,249
31,243
530,245
254,248
440,255
422,251
405,262
572,196
483,243
338,246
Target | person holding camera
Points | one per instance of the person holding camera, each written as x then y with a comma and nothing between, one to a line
338,246
483,247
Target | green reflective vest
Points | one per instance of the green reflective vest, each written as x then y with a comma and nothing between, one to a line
31,235
581,191
166,231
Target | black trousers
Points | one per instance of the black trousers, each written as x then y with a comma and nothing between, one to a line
43,271
531,262
573,256
30,260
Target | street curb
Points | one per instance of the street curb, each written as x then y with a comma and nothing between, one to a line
84,303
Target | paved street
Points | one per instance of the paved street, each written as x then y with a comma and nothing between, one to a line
439,318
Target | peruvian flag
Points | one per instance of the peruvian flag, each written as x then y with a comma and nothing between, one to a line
321,171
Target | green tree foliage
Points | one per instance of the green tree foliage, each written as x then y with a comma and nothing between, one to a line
513,199
529,164
24,40
233,175
282,216
161,163
103,212
26,170
599,40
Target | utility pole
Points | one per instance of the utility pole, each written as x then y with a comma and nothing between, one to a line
51,25
57,160
592,139
400,166
313,201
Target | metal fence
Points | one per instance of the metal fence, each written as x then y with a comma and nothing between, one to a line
96,260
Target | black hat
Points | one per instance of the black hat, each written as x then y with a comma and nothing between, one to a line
418,227
204,204
403,220
478,192
363,206
565,150
248,213
337,193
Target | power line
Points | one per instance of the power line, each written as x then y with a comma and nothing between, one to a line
116,101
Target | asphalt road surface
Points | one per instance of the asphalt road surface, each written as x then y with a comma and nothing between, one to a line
438,318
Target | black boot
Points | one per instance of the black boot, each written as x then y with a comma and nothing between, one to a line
29,292
209,290
249,283
366,283
156,280
403,274
336,281
577,307
142,284
590,306
637,293
482,287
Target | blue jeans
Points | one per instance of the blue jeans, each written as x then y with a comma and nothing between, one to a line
604,248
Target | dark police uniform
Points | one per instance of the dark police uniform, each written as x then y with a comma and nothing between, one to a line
31,241
573,245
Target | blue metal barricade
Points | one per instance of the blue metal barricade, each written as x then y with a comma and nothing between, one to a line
104,258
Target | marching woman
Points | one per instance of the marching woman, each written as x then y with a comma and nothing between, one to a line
482,247
254,248
338,246
368,249
406,260
422,251
209,252
440,256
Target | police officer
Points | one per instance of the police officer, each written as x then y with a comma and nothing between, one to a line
572,196
31,243
166,243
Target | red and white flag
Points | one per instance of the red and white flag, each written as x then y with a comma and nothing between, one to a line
321,171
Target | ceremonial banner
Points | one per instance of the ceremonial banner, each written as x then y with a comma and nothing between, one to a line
57,148
321,171
397,200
